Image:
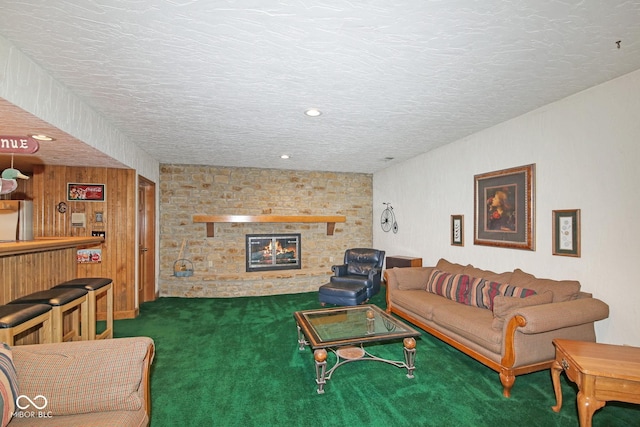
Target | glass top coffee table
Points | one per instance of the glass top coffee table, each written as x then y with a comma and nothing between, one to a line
345,331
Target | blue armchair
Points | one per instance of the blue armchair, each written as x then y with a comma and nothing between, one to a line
362,266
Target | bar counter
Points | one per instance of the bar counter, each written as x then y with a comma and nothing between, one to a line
28,266
40,244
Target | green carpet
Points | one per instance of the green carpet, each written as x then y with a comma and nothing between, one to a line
235,362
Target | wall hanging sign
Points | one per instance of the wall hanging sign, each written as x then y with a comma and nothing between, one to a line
566,232
18,145
85,192
504,208
89,256
457,230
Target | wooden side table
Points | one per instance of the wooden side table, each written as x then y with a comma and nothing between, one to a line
602,372
403,261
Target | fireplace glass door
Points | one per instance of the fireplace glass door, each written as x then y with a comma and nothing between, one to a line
273,252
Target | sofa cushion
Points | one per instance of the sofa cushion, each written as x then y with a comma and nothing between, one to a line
469,322
504,306
483,293
488,274
563,290
450,267
420,302
451,286
8,384
412,277
103,377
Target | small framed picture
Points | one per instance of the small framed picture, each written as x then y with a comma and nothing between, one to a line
457,230
566,232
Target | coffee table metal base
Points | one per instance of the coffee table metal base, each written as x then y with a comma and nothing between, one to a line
349,354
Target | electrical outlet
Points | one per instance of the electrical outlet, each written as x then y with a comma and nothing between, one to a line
210,263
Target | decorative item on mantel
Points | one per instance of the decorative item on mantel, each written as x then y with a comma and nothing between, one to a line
182,267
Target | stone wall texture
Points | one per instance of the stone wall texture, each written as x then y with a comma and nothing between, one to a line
219,263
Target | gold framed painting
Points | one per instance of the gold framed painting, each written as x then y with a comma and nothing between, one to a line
504,208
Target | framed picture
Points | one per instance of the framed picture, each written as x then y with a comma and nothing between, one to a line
457,230
504,208
566,232
85,192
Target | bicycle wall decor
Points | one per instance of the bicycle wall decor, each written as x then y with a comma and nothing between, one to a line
388,219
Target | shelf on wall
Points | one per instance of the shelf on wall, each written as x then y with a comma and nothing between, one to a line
210,220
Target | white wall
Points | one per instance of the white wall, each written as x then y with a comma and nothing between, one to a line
586,149
27,85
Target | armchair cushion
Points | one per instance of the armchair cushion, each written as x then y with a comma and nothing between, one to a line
360,268
78,377
8,384
374,257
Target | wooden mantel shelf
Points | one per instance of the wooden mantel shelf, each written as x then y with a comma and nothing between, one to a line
210,220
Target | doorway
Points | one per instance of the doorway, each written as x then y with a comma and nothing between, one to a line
146,240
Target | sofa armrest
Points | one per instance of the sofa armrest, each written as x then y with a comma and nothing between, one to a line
558,315
87,376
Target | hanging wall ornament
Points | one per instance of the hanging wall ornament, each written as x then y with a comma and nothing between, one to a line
8,183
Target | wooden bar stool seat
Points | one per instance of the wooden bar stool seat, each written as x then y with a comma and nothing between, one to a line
17,318
96,286
63,301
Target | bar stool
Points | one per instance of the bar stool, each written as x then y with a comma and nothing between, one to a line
17,318
62,301
96,286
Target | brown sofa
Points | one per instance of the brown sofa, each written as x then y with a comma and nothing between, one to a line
506,321
83,383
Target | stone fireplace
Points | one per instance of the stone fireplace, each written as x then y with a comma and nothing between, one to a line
266,252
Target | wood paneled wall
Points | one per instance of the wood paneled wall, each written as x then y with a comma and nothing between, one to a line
48,187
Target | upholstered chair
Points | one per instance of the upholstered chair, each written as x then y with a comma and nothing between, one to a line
362,266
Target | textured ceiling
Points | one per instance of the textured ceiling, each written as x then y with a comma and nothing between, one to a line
227,82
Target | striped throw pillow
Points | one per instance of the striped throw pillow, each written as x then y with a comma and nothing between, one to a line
482,294
451,286
8,384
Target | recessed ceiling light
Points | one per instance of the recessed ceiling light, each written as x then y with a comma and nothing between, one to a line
284,156
41,137
313,112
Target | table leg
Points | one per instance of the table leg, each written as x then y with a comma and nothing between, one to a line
587,403
301,340
556,369
409,355
320,356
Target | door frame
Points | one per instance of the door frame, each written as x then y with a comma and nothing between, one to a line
146,240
